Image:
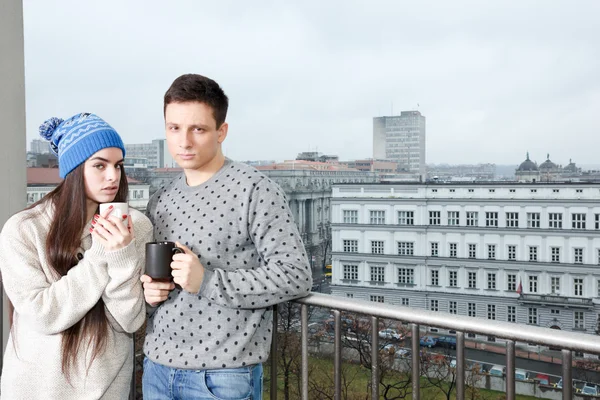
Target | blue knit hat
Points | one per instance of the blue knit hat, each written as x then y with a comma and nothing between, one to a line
76,139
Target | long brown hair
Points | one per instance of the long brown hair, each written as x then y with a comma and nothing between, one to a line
64,238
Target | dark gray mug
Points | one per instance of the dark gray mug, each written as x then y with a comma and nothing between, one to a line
158,259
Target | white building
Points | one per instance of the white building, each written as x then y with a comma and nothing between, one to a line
401,138
156,153
515,252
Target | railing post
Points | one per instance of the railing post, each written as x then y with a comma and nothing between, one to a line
460,365
567,360
304,316
374,357
337,356
510,370
416,360
274,354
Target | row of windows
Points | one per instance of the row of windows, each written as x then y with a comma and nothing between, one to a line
533,219
510,190
408,249
406,276
491,310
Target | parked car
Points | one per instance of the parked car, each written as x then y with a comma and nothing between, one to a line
402,353
521,374
448,342
390,333
497,370
428,341
589,389
543,379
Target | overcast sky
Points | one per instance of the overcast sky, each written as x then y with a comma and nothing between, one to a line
494,79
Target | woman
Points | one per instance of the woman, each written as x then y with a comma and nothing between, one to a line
73,275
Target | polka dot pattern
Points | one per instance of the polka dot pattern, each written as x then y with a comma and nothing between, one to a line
240,226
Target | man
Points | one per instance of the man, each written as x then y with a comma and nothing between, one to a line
210,329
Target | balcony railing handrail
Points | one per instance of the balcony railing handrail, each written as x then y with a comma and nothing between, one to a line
501,330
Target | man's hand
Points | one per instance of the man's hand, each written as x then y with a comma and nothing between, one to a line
156,291
187,270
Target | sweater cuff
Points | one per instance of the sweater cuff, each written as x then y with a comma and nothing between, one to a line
208,274
122,258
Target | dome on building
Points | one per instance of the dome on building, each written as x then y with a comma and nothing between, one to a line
527,165
572,167
547,165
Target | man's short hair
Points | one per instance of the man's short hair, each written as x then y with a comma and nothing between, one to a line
194,87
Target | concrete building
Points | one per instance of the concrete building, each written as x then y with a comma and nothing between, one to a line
401,139
464,172
41,181
39,146
156,153
527,253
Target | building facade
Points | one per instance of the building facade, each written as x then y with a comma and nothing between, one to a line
156,153
401,139
526,253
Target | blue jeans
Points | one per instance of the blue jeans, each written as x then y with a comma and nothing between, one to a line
165,383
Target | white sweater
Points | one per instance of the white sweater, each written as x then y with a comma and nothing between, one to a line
46,304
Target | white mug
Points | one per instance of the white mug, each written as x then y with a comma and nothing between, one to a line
119,209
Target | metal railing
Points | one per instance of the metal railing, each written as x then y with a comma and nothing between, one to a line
511,332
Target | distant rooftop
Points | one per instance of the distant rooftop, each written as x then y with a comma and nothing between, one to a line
49,176
305,165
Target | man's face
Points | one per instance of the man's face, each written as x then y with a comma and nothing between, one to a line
193,138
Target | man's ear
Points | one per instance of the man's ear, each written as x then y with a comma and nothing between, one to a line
222,132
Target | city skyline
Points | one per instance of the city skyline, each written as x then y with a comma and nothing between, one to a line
300,79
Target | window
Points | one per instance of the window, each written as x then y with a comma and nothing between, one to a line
578,286
377,246
377,217
491,219
578,221
434,190
555,285
452,190
435,217
596,221
533,253
453,278
406,276
492,190
350,246
555,220
350,272
532,315
350,295
351,216
453,218
406,248
434,305
554,312
472,250
533,220
511,313
377,273
598,256
406,217
512,190
555,190
533,190
452,307
435,277
472,280
533,284
472,217
491,251
512,220
578,190
511,279
578,320
454,246
376,299
472,309
434,249
491,313
512,252
471,190
555,254
491,281
405,301
578,255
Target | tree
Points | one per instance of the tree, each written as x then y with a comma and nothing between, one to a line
438,372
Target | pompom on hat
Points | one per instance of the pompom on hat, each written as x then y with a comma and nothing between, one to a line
76,139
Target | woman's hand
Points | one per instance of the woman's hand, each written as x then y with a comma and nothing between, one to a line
110,231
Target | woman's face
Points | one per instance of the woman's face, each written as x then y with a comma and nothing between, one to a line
102,174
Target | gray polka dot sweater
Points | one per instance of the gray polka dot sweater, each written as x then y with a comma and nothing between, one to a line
240,226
